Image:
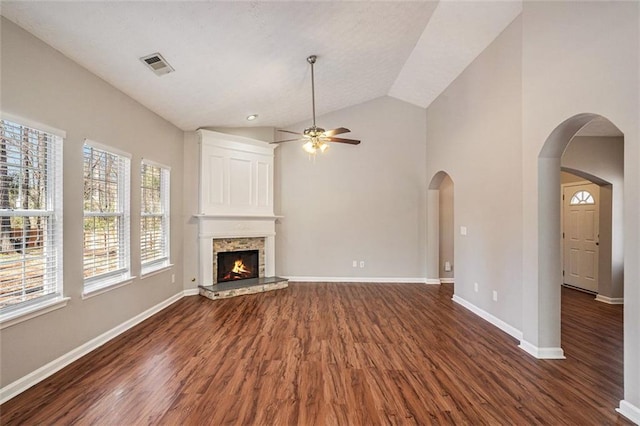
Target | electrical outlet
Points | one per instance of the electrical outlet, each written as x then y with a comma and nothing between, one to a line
475,287
463,230
362,263
495,296
355,263
173,278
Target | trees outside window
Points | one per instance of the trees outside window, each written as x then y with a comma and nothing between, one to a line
30,214
154,216
106,216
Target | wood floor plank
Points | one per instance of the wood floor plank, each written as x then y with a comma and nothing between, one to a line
336,354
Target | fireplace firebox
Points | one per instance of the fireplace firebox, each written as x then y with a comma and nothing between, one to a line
237,265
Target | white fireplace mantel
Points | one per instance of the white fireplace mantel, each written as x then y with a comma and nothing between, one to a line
236,196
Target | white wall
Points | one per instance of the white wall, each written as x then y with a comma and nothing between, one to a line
364,202
603,157
473,134
579,57
40,84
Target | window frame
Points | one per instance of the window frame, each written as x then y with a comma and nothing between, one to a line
163,262
53,254
98,284
582,197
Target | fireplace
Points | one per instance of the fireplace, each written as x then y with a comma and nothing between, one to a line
235,214
250,252
237,265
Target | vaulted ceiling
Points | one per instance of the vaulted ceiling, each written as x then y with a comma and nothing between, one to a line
233,59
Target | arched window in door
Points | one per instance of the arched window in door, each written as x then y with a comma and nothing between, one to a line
582,197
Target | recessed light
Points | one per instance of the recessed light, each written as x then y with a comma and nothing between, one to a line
252,117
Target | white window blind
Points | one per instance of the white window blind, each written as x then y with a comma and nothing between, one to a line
106,216
30,215
154,216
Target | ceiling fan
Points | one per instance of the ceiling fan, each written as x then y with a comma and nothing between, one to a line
316,137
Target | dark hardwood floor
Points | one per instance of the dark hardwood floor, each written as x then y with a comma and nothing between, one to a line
347,354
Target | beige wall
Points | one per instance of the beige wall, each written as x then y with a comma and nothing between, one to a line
364,202
603,158
40,84
190,204
488,130
577,57
473,134
446,232
566,177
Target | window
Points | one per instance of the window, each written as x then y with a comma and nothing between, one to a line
582,197
154,216
106,217
30,217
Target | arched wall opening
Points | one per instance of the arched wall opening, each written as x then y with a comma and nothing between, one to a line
440,235
550,235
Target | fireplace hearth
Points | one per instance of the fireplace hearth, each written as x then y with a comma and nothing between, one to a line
237,265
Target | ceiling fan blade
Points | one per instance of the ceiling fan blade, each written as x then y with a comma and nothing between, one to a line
343,140
289,131
288,140
337,131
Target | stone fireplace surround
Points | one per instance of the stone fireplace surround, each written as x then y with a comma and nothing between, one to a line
221,245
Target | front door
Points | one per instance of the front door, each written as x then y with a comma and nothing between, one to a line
580,235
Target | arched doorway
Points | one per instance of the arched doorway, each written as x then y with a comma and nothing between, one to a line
549,231
440,240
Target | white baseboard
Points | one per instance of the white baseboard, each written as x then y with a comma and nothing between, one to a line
358,280
610,300
447,280
33,378
191,292
435,281
541,353
512,331
630,411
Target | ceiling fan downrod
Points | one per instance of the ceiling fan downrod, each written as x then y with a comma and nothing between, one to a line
312,60
316,138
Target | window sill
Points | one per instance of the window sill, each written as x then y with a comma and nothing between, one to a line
87,294
32,311
149,272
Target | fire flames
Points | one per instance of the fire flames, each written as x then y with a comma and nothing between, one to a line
239,271
239,268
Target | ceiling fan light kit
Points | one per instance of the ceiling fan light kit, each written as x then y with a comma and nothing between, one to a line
313,146
316,138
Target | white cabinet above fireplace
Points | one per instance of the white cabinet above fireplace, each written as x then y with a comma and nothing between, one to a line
236,175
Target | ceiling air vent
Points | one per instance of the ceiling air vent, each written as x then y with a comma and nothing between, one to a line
157,63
